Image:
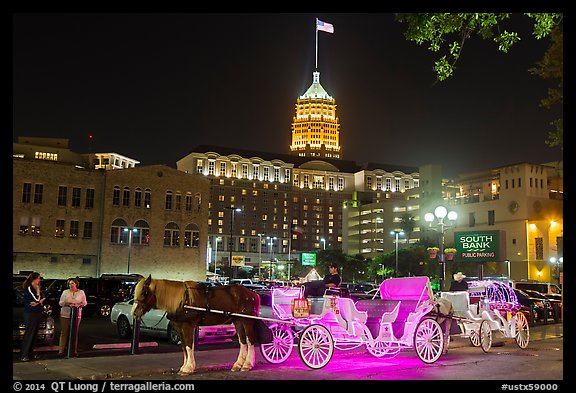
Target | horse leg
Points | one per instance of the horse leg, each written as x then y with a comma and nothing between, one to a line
250,340
187,333
238,365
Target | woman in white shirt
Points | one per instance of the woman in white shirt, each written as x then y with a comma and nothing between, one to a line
73,297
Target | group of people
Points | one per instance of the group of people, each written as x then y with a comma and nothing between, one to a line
71,298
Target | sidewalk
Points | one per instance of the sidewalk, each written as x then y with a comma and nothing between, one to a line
139,365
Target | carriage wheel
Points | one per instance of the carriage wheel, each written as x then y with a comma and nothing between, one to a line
280,349
475,338
316,346
485,336
428,340
522,334
383,348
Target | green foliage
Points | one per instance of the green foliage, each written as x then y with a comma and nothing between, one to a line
448,32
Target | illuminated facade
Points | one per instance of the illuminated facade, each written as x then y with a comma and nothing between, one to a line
315,128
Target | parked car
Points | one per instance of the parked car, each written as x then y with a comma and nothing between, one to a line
555,310
155,323
535,309
45,334
545,288
101,295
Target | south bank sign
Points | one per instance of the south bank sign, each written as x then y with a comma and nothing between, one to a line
480,245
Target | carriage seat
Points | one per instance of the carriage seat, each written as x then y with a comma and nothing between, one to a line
461,303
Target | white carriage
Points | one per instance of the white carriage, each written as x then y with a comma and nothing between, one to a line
401,318
488,308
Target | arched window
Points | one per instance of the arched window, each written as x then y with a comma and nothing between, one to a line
142,234
192,236
171,234
117,233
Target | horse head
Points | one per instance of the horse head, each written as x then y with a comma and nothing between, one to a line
144,298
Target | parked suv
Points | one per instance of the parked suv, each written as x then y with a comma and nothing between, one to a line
101,295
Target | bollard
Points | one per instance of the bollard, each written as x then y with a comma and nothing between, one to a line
72,330
135,337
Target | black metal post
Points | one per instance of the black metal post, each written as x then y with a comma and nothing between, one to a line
72,331
135,337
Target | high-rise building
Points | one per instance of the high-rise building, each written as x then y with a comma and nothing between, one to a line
315,128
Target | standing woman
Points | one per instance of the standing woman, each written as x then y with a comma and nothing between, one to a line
73,297
33,309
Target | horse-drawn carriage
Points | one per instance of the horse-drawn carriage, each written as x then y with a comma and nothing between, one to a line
406,315
488,308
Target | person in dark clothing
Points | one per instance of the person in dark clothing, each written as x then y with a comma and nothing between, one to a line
317,288
459,284
33,309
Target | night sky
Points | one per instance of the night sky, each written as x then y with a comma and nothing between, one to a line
153,86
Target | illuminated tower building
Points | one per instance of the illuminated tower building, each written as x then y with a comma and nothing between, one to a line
315,130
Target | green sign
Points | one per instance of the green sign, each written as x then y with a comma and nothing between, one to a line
308,259
480,245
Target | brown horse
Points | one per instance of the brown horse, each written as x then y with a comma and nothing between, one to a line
172,296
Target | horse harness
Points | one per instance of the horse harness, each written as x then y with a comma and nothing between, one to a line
188,300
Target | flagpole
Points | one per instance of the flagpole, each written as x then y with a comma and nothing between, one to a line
316,43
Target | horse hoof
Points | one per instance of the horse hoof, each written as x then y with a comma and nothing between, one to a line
246,369
235,368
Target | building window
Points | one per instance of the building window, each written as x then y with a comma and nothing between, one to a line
244,171
76,194
266,173
126,197
74,228
87,234
35,227
199,167
211,167
276,174
234,171
388,184
90,192
86,261
340,183
519,182
116,196
60,228
368,182
24,225
188,202
178,201
141,235
147,198
26,192
117,233
256,172
491,217
286,175
168,200
138,197
171,235
222,169
191,236
62,195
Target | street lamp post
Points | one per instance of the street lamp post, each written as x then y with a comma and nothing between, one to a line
216,240
231,240
271,255
260,254
323,243
396,233
440,213
130,232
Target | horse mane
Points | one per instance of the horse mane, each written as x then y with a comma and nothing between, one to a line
169,293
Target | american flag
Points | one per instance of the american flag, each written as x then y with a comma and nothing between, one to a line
323,26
